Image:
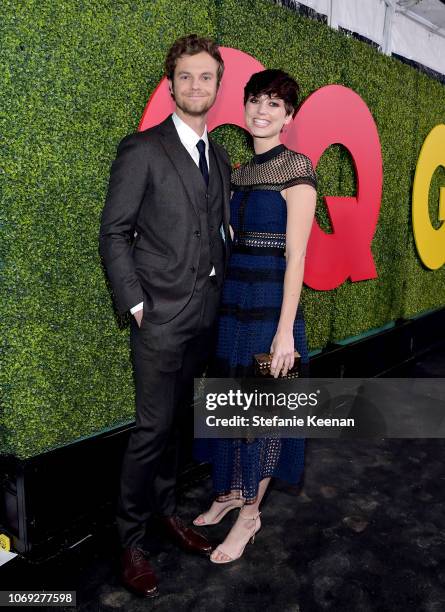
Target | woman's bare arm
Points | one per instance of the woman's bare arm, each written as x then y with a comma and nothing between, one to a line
300,201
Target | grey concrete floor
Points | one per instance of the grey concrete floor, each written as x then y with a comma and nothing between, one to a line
364,532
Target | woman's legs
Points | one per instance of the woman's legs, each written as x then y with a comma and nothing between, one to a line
219,509
246,525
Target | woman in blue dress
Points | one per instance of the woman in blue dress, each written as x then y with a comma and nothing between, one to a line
272,210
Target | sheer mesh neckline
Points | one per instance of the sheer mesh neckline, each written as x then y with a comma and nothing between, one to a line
260,158
283,168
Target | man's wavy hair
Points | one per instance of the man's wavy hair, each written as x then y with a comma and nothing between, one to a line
191,45
276,84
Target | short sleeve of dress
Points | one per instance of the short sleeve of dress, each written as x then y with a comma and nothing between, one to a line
300,171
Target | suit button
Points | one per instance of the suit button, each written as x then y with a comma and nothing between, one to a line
197,233
207,196
193,269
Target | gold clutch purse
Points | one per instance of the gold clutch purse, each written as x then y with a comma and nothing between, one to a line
262,362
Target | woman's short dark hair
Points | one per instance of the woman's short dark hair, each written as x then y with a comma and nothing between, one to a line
276,84
192,45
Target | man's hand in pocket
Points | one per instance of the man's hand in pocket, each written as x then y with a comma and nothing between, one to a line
139,316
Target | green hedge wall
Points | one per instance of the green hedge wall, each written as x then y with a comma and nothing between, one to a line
75,78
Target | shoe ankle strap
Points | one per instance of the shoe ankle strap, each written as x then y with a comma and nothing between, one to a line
249,518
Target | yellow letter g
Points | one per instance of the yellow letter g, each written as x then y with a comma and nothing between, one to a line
430,242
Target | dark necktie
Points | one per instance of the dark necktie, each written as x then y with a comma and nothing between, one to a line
201,146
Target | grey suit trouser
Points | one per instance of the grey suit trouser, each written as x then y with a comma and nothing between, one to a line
165,358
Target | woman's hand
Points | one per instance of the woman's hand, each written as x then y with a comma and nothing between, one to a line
282,349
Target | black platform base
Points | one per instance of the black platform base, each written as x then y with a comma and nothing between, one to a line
383,352
58,499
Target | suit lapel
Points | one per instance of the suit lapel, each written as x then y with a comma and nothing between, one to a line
181,161
189,173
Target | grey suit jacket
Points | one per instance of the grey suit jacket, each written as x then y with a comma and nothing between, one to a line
152,192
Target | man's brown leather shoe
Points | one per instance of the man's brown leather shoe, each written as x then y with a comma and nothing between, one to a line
137,573
185,537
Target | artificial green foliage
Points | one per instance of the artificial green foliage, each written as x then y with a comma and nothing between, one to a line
75,78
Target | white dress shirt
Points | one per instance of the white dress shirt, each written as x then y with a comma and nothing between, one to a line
189,138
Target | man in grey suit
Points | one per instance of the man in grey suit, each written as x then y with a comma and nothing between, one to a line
162,243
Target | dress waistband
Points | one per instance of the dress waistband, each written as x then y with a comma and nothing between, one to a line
260,243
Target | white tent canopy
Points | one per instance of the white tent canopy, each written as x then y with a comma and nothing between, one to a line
414,29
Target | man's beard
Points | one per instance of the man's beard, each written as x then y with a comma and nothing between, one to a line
190,110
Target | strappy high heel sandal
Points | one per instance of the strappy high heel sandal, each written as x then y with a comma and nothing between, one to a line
251,540
237,503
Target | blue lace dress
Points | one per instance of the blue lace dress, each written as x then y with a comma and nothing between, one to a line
251,305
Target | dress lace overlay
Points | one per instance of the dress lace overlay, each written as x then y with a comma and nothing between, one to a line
250,310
